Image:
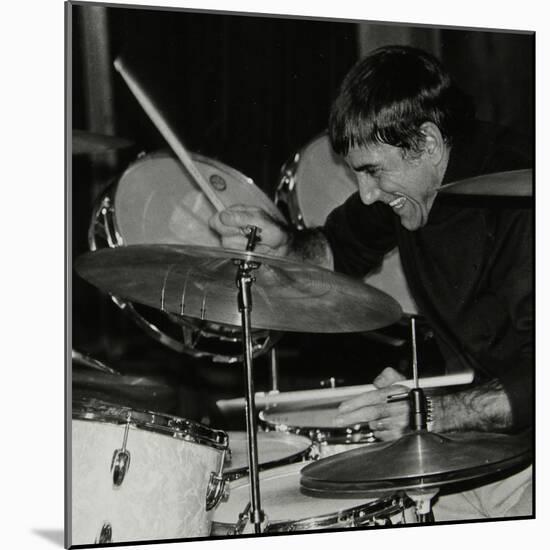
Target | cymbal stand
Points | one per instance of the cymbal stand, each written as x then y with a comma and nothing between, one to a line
244,281
419,422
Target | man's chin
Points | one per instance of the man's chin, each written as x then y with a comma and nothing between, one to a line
411,225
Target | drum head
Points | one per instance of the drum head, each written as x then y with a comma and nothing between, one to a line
156,201
324,181
274,449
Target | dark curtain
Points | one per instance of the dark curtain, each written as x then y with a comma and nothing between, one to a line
248,91
495,68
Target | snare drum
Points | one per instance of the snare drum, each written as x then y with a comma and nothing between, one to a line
288,510
274,449
156,202
313,183
140,475
317,422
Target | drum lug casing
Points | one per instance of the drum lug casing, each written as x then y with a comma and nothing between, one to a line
105,535
119,466
216,490
120,463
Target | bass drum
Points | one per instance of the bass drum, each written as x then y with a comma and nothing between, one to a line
156,202
314,182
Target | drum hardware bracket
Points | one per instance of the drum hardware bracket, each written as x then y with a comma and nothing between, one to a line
244,516
216,490
120,463
422,499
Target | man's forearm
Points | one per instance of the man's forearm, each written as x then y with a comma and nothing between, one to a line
483,408
311,245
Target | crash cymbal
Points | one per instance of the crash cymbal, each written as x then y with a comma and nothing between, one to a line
87,361
199,282
418,460
128,389
516,183
89,143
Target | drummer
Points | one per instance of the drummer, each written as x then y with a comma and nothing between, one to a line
406,129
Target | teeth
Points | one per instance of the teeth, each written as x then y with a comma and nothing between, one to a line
398,203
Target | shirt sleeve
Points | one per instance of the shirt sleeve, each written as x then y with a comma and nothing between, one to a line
360,235
514,290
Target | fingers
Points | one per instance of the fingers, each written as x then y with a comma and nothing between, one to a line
388,377
386,420
231,221
229,224
376,397
393,414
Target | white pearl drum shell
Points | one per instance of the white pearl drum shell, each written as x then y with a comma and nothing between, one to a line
162,496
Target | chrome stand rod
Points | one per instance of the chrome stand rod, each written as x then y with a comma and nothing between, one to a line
244,282
274,370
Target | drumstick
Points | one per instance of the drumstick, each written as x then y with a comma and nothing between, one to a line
168,133
327,396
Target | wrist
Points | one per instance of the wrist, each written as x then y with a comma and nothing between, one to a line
442,419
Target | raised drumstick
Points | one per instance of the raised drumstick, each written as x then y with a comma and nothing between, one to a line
167,132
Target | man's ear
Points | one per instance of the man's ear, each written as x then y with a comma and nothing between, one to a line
434,144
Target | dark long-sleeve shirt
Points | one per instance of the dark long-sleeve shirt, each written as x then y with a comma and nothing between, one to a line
469,269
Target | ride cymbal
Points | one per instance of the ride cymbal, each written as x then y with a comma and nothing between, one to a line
200,282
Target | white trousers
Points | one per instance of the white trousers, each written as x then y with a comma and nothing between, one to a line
509,497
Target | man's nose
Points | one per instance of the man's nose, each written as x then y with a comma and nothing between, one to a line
368,190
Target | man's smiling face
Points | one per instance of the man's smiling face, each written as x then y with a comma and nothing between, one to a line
408,184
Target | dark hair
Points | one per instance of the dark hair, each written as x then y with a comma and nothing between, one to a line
389,94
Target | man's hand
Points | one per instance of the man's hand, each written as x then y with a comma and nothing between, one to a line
386,420
231,225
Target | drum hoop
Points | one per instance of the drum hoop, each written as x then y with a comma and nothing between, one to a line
361,514
167,155
392,503
328,434
232,474
161,423
287,191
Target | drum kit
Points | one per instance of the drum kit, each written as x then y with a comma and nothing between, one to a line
140,475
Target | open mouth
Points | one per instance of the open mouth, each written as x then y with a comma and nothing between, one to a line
398,203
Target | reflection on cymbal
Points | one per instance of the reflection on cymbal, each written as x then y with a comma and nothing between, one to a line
199,282
516,183
89,143
87,361
417,460
90,381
